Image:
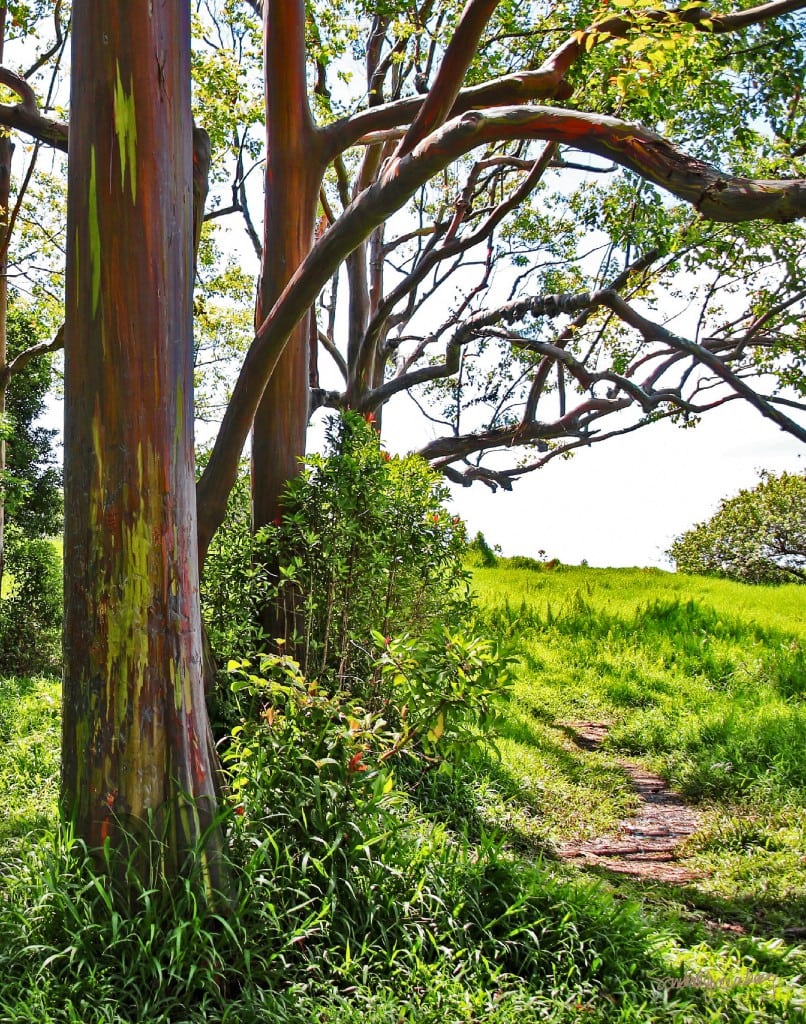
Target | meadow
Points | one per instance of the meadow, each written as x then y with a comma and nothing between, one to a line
451,905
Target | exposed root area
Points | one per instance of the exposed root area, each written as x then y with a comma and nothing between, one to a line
644,845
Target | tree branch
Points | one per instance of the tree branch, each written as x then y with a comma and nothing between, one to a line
25,117
439,100
18,364
702,355
449,248
548,81
718,196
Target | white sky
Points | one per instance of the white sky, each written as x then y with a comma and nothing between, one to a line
622,502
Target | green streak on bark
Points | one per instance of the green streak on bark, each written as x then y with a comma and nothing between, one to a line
95,236
82,745
183,696
126,131
77,263
127,619
127,609
99,455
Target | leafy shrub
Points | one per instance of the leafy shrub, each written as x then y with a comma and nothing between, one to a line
444,687
309,771
365,548
31,615
525,562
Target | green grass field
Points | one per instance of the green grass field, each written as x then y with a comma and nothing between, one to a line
701,680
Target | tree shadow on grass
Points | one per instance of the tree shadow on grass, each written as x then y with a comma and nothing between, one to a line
531,801
694,913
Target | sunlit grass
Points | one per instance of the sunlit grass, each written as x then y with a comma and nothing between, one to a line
703,680
29,754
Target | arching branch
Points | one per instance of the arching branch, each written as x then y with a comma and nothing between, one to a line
718,196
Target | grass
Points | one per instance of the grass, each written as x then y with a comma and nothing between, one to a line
29,755
703,681
448,906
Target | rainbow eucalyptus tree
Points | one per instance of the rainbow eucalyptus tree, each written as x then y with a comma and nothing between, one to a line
137,761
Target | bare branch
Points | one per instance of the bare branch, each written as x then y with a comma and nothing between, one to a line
18,364
58,44
653,331
448,81
25,117
334,354
447,250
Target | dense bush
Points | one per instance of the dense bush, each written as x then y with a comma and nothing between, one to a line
758,536
479,552
31,613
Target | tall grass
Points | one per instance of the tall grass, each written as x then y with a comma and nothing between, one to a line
707,677
704,681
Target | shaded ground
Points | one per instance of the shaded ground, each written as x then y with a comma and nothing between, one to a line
644,845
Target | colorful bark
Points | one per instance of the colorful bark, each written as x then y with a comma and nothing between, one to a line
294,172
137,761
6,151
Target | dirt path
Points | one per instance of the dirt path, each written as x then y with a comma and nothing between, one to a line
644,846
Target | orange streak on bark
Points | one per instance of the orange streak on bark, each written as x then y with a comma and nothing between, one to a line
294,171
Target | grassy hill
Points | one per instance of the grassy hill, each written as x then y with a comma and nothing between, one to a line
704,679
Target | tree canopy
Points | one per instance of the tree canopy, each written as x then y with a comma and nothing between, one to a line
545,225
493,221
756,536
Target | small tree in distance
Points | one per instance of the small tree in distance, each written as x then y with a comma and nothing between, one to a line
758,536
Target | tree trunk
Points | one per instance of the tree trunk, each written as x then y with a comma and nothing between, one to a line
294,172
6,152
138,764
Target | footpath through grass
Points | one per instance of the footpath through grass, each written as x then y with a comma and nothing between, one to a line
704,681
427,917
